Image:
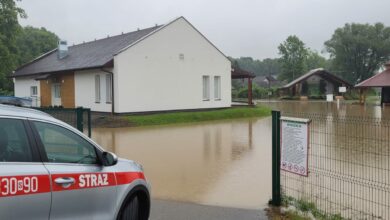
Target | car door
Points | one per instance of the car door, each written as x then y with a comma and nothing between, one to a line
24,181
81,187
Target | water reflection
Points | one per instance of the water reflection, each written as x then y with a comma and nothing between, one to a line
221,163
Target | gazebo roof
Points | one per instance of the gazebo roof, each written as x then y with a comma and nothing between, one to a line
379,80
238,73
320,72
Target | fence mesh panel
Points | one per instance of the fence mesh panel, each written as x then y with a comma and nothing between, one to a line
349,167
69,116
66,115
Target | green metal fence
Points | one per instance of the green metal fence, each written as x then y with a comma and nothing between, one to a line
349,168
79,118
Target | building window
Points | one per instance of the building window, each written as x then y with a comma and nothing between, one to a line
57,90
217,87
108,88
34,90
97,88
206,88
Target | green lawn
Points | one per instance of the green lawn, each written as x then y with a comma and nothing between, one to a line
373,99
207,115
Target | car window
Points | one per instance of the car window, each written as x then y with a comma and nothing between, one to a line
64,146
14,145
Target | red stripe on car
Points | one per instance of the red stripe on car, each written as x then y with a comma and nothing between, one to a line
83,181
33,184
24,185
128,177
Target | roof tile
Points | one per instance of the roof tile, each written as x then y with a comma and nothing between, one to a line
83,56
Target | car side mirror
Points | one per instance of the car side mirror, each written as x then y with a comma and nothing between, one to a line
109,159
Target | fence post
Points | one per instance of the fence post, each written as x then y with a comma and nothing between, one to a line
89,122
276,194
79,118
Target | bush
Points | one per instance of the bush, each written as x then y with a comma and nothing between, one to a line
352,95
6,93
317,97
290,98
257,92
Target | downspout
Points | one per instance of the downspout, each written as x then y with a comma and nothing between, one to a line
112,90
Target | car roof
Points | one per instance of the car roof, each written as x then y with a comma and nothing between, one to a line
20,112
13,111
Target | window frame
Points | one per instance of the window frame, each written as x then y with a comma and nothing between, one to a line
57,90
98,94
217,88
35,154
32,89
206,88
109,88
42,150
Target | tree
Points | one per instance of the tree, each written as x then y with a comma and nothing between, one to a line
32,42
270,67
9,28
248,63
358,50
19,45
234,62
293,60
264,67
314,61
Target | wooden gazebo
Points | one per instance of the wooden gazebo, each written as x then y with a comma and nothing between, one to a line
295,87
238,73
380,80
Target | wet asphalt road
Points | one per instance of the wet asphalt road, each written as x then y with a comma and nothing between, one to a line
169,210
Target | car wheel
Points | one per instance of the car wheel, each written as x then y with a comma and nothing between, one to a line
131,210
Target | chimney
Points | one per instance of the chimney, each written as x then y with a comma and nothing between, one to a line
387,65
62,49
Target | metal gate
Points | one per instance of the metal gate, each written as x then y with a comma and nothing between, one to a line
349,168
79,118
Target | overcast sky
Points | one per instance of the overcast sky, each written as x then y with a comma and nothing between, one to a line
238,27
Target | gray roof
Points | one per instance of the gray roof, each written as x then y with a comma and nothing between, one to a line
304,76
266,81
94,54
319,71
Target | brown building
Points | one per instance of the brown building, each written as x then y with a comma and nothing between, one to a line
321,80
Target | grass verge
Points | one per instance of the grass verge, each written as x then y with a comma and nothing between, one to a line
208,115
303,208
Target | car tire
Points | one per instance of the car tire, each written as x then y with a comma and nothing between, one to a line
131,210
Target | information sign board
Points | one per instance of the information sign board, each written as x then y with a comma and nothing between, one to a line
294,145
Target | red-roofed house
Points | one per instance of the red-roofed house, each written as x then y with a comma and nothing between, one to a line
380,80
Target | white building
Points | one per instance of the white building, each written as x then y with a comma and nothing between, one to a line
162,68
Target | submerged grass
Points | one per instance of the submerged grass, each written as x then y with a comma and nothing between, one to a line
305,207
199,116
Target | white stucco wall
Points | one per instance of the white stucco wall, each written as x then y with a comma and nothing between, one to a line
22,88
85,90
149,76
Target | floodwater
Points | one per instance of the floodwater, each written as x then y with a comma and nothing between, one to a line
225,163
228,163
